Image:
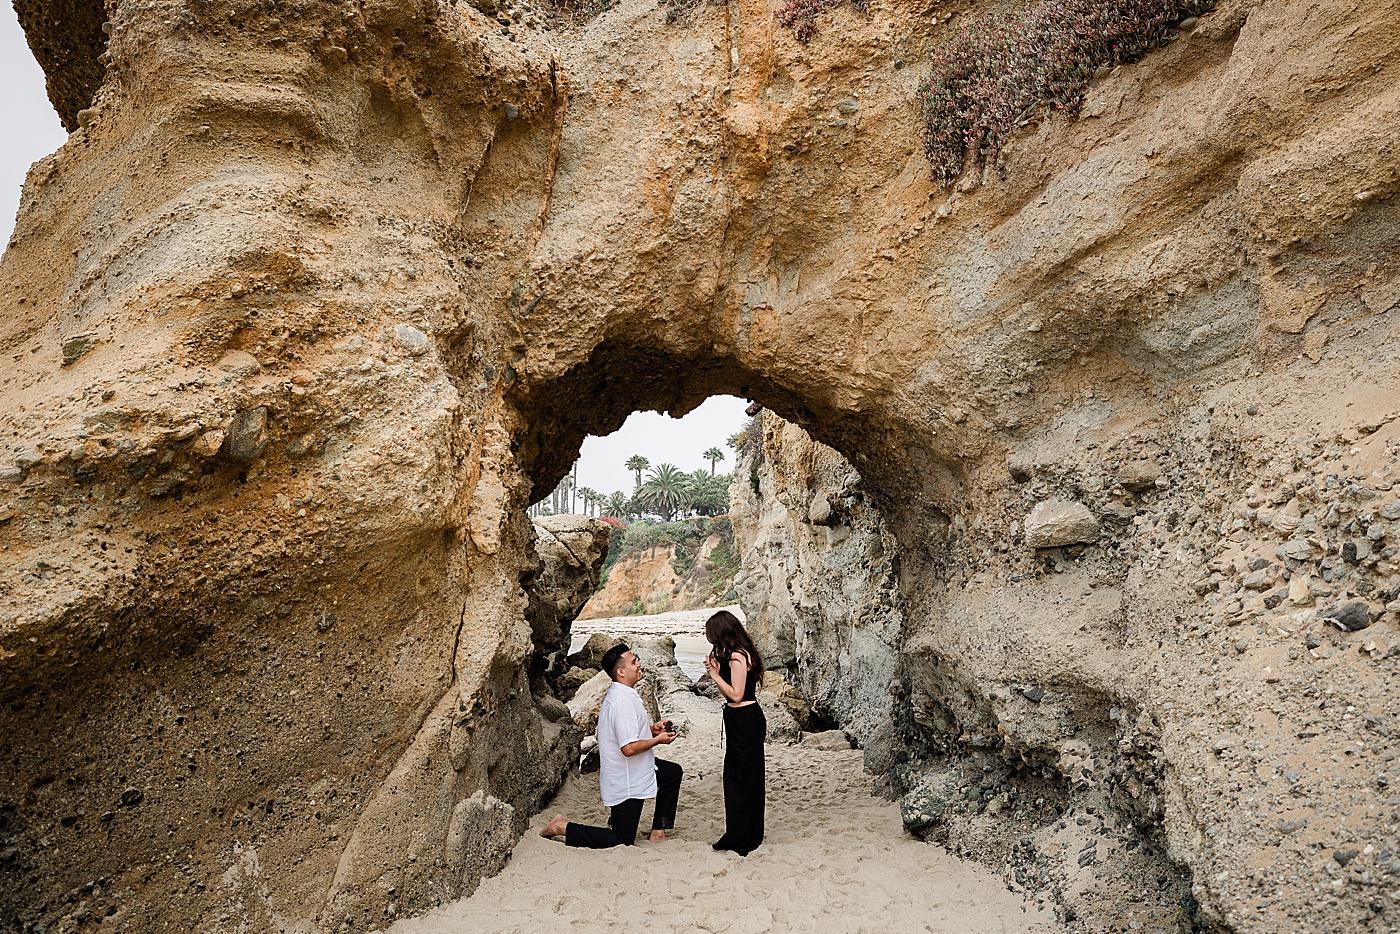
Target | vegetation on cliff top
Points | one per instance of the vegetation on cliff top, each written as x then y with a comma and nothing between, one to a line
997,69
713,574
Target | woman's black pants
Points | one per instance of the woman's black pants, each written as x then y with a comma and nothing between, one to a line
622,824
745,729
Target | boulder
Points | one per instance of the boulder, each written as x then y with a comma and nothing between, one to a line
551,708
1055,522
247,436
588,700
922,808
573,679
1349,617
827,741
782,728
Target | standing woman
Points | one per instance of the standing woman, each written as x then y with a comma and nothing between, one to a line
737,668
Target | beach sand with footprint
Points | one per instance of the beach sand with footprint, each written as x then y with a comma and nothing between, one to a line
835,859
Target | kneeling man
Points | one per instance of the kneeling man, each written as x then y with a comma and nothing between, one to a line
628,769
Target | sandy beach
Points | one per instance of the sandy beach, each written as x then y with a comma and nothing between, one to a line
686,627
835,860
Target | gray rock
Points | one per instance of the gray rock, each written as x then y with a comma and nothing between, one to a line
819,513
923,807
410,340
848,106
77,345
782,727
1053,523
1350,617
551,708
1257,580
247,436
1391,511
1299,549
9,473
1139,475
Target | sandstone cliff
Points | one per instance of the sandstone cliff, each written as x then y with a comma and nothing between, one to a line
665,578
317,295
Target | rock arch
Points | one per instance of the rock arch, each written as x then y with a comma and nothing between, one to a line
314,297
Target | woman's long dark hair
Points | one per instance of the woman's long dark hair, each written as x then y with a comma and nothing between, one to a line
728,636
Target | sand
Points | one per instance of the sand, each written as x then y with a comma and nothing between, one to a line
686,627
835,860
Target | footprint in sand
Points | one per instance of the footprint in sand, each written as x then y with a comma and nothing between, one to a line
835,861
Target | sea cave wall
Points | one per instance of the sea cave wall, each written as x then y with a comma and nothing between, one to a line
317,298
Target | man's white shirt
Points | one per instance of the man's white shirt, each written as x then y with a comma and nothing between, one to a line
623,720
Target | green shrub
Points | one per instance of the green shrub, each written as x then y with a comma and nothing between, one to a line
996,69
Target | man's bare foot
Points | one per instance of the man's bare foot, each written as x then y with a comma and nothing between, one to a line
657,836
555,828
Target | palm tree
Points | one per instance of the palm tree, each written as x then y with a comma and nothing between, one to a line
590,497
665,492
713,455
637,463
618,506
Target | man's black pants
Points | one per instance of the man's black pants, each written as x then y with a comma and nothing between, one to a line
622,825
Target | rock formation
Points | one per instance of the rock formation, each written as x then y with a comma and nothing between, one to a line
572,550
662,578
818,582
317,298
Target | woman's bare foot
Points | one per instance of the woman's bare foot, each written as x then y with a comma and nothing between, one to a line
556,827
657,836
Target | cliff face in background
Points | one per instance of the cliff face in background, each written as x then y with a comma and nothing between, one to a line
316,297
694,573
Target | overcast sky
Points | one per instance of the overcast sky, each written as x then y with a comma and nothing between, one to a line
661,440
32,131
31,128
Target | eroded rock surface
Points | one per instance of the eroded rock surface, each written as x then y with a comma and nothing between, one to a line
307,655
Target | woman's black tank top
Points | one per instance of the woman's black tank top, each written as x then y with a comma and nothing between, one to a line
749,680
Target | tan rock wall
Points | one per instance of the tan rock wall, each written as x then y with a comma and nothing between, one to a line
439,258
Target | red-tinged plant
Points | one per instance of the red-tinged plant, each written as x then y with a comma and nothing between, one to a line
996,69
801,16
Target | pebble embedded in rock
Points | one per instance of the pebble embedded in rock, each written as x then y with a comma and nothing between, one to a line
1054,523
410,340
1139,476
1351,616
209,443
247,436
77,345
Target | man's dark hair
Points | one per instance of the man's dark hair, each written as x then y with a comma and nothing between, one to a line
612,658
